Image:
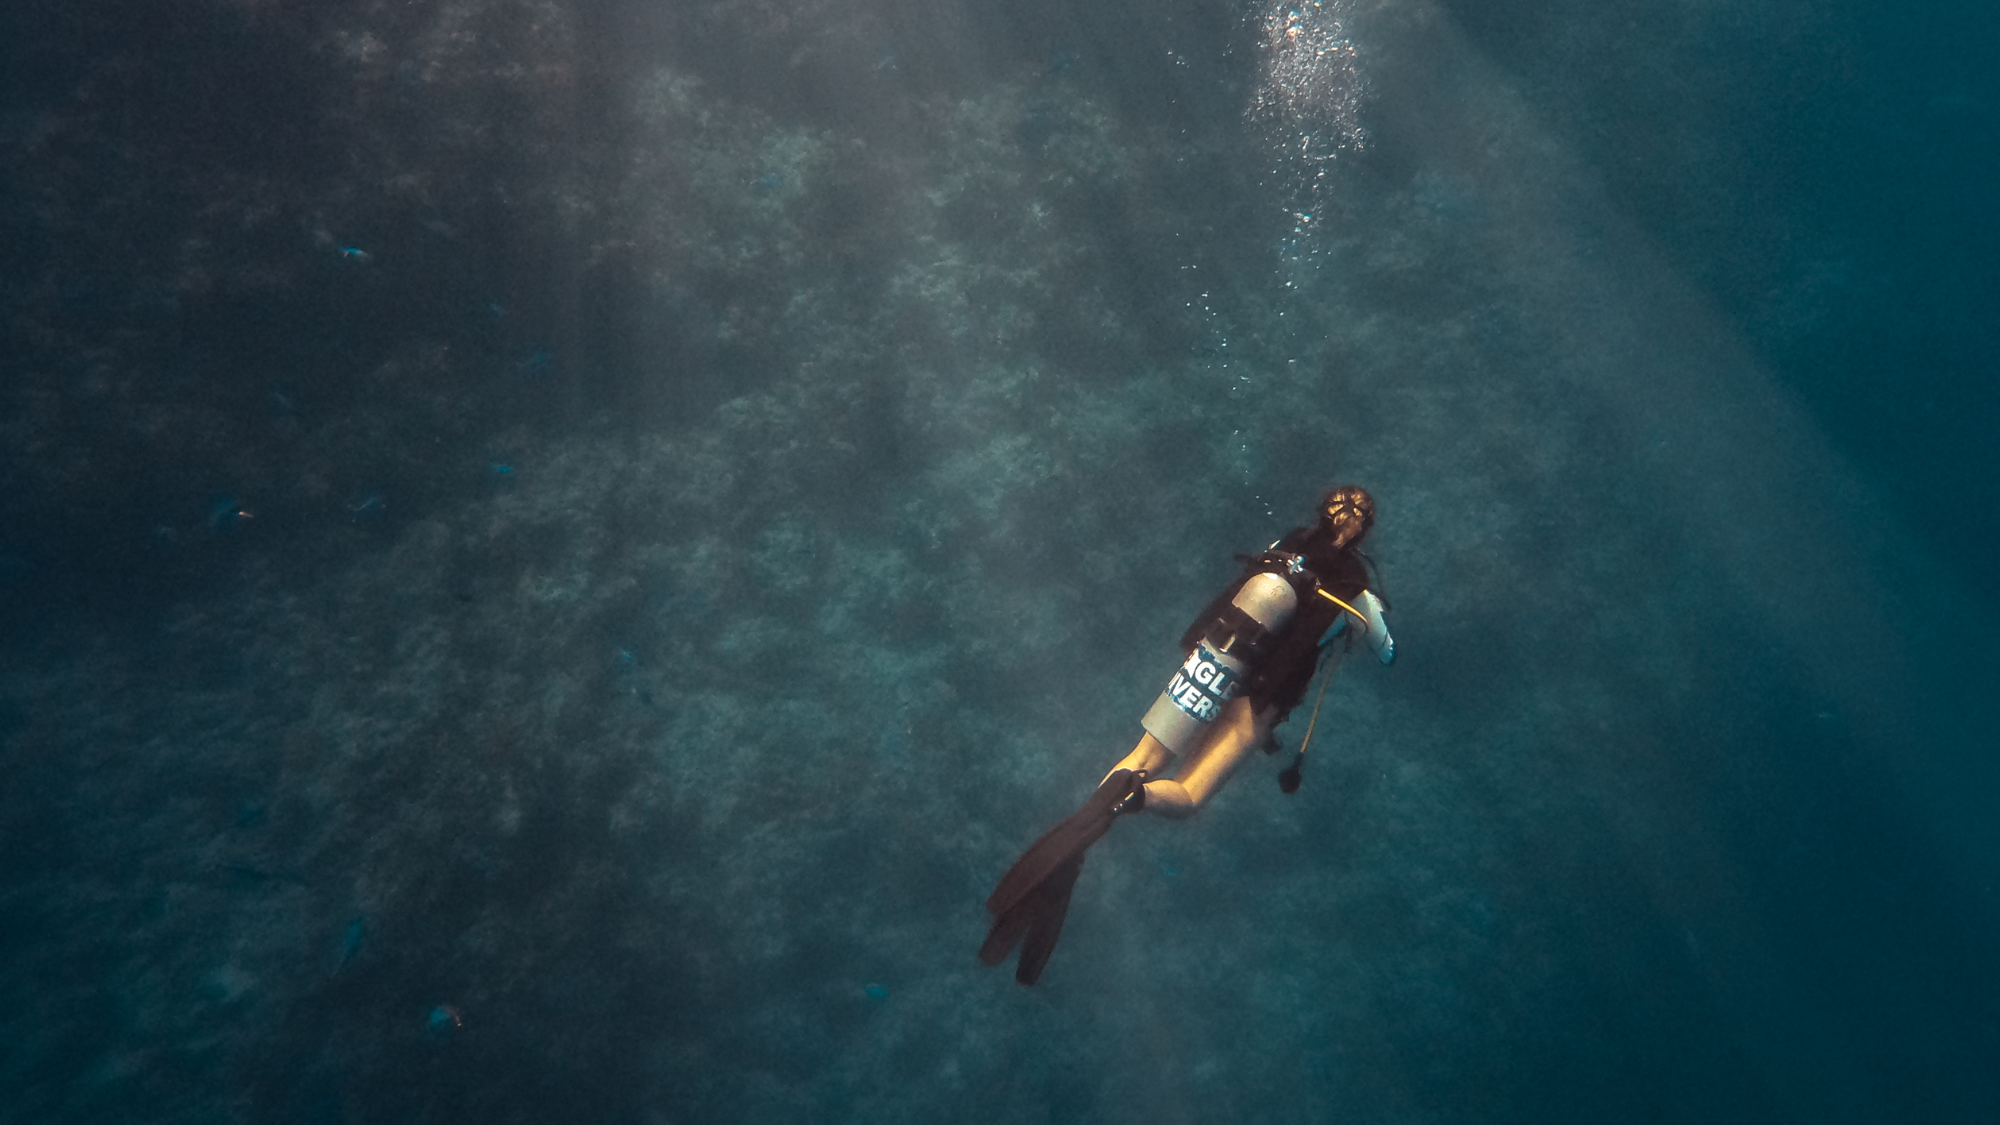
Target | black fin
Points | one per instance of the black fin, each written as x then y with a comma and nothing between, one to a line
1081,829
1004,936
1032,900
1051,907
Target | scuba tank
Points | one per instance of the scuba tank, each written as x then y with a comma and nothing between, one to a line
1212,675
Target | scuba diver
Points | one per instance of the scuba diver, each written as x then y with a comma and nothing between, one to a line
1250,657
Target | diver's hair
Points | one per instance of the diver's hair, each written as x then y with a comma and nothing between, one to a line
1348,497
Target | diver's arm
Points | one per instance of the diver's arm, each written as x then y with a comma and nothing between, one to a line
1368,613
1373,616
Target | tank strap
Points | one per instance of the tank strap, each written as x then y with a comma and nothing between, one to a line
1235,633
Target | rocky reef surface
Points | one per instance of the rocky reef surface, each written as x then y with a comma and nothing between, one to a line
560,552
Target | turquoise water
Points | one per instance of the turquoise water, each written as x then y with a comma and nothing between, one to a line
553,554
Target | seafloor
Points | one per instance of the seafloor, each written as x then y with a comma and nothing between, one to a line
554,553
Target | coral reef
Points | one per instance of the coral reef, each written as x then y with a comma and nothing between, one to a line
553,590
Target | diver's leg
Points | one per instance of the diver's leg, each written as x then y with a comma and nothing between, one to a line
1238,731
1169,798
1163,796
1151,757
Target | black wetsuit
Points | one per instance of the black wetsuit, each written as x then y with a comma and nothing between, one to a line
1287,660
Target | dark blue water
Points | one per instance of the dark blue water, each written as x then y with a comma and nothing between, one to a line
550,555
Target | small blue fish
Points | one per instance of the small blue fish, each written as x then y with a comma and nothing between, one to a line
350,942
876,992
445,1019
356,255
224,513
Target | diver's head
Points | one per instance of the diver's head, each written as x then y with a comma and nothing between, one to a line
1349,511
